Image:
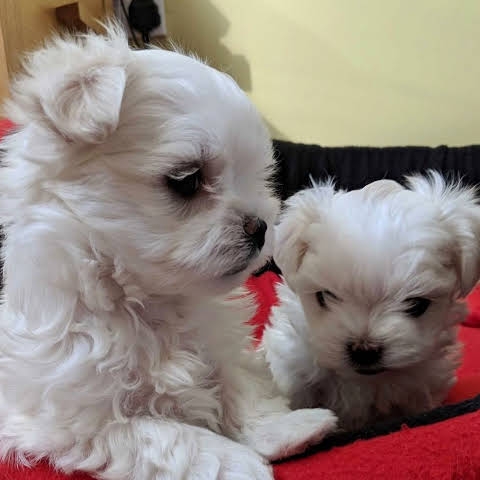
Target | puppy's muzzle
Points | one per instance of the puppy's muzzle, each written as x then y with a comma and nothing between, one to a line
365,358
255,228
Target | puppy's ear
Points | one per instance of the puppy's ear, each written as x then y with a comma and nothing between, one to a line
85,106
460,212
301,210
382,188
74,87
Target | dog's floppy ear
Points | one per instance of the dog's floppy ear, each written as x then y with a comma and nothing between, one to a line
382,188
460,212
85,106
73,86
301,210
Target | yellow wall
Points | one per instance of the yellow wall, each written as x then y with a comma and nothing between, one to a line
339,72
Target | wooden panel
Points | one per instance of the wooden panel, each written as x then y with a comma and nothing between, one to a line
93,10
82,13
25,24
3,69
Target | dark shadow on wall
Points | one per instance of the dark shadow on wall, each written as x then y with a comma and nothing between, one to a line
198,26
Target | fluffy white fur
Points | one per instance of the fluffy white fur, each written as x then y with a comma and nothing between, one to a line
122,352
374,250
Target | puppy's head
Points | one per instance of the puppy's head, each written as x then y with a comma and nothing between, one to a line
379,270
159,160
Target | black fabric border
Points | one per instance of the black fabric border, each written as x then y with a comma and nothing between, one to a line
440,414
355,167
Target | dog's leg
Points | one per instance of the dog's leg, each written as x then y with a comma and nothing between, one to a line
267,424
149,449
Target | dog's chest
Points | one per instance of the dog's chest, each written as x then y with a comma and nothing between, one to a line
358,403
182,379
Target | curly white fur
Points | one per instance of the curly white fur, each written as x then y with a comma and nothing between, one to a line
122,352
373,250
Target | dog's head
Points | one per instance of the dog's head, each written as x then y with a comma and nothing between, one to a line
379,271
159,160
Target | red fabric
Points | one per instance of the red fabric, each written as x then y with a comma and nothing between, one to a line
5,127
40,472
443,451
263,288
473,301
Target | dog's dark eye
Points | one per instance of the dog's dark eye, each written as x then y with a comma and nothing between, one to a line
321,297
186,186
417,306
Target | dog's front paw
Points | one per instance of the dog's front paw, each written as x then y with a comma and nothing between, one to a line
222,459
292,433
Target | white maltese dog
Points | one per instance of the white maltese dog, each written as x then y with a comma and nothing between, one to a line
366,324
134,200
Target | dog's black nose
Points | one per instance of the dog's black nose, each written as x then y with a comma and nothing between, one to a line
255,228
364,356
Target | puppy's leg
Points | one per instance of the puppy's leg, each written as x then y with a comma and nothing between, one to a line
267,424
149,449
282,432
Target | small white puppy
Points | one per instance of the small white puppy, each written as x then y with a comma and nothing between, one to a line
133,199
366,320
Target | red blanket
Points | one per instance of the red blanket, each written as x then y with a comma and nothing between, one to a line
445,450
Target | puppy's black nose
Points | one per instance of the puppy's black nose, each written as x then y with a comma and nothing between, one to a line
255,228
364,356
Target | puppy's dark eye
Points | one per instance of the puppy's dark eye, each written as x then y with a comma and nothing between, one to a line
186,186
417,306
321,297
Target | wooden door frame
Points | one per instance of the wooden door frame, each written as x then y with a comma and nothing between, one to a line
4,81
23,26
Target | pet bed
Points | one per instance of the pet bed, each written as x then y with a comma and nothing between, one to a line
442,444
439,445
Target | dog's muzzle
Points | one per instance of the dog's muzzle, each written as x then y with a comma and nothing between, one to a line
366,359
255,228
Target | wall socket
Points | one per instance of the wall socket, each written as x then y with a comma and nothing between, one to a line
160,31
